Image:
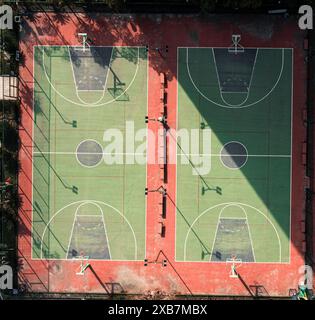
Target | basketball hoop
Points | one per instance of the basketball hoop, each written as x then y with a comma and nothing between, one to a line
235,263
84,264
85,45
236,47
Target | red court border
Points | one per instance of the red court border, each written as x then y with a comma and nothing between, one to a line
174,31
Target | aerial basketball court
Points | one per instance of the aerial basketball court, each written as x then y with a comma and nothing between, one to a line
242,206
230,206
81,205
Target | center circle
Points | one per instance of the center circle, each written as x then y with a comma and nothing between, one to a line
89,153
234,155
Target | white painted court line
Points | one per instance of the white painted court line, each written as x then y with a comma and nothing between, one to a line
250,236
215,237
101,216
231,218
226,106
84,105
106,235
271,156
176,150
76,88
147,160
249,86
291,163
34,152
229,155
89,153
84,202
88,215
178,154
71,233
239,204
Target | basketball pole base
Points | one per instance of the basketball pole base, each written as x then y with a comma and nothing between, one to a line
83,265
236,47
235,263
83,268
233,273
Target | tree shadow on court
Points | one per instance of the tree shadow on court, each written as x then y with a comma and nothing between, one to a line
129,54
36,25
256,291
28,275
265,188
27,26
60,18
11,139
43,247
116,30
112,289
205,249
126,31
169,262
205,185
27,93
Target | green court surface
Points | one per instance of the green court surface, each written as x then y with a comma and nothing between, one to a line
237,203
87,202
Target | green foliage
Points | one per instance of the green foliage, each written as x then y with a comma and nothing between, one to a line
9,39
9,166
211,5
10,141
249,4
208,5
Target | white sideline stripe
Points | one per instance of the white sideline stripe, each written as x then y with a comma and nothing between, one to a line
178,154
